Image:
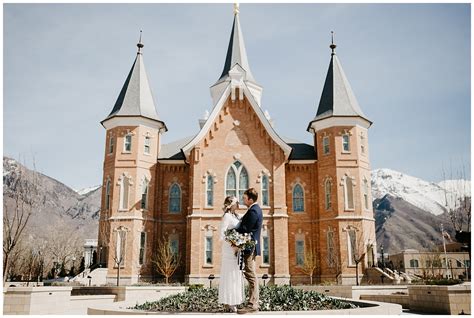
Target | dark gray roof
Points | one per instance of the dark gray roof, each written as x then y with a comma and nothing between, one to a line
300,151
172,151
236,53
135,98
337,98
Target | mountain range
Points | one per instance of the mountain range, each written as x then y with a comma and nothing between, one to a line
408,211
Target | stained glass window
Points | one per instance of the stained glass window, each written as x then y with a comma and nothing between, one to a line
299,252
327,189
210,190
265,196
175,199
298,198
237,180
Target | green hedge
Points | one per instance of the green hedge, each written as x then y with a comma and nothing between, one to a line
272,298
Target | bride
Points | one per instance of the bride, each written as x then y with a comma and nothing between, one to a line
231,288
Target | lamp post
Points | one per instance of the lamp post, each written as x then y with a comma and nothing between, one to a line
264,277
54,268
211,277
73,261
90,256
100,256
383,261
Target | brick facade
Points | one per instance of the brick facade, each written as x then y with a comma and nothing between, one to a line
238,134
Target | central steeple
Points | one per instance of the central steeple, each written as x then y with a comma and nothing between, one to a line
236,65
236,53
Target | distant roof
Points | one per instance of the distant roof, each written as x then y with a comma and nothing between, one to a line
172,151
300,151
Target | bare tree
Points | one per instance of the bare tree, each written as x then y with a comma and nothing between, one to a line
358,247
166,260
118,246
20,202
63,243
333,258
310,262
458,204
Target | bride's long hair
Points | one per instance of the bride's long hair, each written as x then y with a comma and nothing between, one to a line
228,203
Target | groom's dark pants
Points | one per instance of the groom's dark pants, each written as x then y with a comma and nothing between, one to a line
251,276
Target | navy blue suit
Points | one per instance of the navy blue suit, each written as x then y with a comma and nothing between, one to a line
252,223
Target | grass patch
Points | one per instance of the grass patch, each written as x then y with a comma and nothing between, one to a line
272,298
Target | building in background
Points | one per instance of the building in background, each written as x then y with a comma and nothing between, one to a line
316,199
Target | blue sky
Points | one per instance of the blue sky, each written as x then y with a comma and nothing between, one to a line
408,64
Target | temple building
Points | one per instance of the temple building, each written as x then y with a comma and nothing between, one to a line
316,199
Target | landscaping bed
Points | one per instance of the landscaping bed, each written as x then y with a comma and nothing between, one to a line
272,298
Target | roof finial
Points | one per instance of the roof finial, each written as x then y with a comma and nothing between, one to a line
140,44
332,46
236,8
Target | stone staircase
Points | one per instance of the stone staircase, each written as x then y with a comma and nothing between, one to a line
373,275
98,277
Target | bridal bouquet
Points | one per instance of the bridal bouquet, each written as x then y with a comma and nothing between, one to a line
242,241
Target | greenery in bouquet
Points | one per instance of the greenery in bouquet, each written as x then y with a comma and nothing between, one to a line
242,241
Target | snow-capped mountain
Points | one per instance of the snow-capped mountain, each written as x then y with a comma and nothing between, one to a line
428,196
56,202
87,190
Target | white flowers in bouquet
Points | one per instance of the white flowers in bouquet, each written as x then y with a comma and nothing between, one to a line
242,241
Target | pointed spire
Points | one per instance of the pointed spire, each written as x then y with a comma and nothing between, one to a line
136,98
332,46
236,53
140,44
337,98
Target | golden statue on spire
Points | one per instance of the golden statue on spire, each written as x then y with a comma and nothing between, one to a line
236,8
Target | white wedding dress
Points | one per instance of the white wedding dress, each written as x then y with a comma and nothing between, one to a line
231,287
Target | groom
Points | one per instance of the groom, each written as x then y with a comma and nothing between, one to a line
251,223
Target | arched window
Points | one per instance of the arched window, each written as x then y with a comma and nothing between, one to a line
414,263
348,193
175,199
265,191
331,251
345,143
209,191
147,145
111,145
237,180
325,145
124,190
127,143
298,198
144,201
107,194
366,193
352,246
327,192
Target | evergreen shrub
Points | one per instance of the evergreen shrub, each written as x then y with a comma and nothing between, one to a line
272,298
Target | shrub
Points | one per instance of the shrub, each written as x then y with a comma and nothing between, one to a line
272,298
443,281
195,286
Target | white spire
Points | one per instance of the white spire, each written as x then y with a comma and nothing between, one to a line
236,66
